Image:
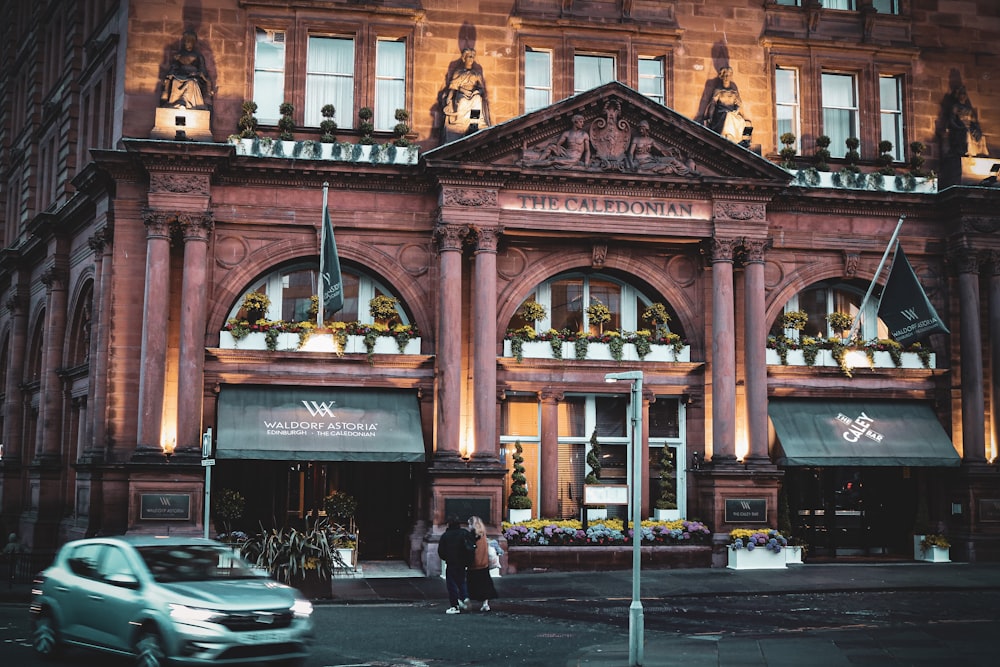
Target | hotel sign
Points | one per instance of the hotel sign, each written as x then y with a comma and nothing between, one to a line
641,207
165,506
746,510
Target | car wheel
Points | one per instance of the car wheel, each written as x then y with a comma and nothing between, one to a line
45,637
149,651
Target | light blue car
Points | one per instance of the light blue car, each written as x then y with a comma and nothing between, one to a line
167,600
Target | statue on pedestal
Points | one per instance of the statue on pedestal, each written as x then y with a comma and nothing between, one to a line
187,84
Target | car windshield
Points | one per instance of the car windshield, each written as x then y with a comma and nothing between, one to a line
194,562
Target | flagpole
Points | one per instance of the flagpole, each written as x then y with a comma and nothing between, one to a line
871,288
322,244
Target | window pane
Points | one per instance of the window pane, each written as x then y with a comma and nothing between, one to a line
608,294
537,80
838,4
330,79
390,82
839,111
592,71
611,415
786,86
572,417
567,304
269,74
520,416
890,101
651,78
296,297
572,470
886,6
663,418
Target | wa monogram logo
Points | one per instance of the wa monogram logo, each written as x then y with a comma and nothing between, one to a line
320,408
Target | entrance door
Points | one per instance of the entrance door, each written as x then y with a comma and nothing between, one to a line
385,505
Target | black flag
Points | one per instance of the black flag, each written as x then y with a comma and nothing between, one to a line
904,306
332,285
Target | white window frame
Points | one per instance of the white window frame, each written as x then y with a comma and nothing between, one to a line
838,147
892,116
654,81
344,82
537,61
600,61
871,326
790,105
265,113
629,318
387,100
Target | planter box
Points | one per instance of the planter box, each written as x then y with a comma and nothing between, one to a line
793,555
857,358
350,558
597,514
599,352
758,559
596,559
288,149
666,515
516,516
288,342
931,554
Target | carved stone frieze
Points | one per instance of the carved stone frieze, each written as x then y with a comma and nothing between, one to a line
980,225
599,254
851,261
739,211
469,197
723,250
196,184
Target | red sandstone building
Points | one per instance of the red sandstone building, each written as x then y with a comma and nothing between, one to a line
622,154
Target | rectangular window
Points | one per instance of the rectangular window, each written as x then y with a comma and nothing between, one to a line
840,110
330,79
572,470
269,74
390,82
520,417
537,79
786,94
573,417
839,4
592,71
651,79
886,6
890,89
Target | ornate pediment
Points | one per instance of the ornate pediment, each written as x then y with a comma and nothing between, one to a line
612,130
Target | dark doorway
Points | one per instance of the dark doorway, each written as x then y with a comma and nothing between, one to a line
852,512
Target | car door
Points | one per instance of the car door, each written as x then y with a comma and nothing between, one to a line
72,591
120,599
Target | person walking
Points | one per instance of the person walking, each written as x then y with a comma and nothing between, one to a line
453,550
480,582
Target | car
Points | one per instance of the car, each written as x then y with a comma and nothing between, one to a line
167,600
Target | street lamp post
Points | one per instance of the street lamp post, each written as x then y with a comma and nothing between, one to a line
635,616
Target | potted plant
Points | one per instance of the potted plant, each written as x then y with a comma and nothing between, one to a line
366,127
822,154
401,129
884,160
594,477
228,507
788,151
598,313
935,548
795,320
795,549
383,308
518,502
656,314
247,123
341,509
286,124
840,322
665,508
530,311
327,126
255,304
300,558
756,549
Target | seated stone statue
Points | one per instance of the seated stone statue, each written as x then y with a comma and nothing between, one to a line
724,113
646,155
964,132
187,84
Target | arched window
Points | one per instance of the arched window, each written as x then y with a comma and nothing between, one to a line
566,298
833,296
290,290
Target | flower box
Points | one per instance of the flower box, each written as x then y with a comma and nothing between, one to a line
287,149
598,352
605,558
348,557
517,516
597,513
666,515
257,341
316,343
793,555
758,559
930,554
856,358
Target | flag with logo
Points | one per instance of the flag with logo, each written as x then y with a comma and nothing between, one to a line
904,306
332,285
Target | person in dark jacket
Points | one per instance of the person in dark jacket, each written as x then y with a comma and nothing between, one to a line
453,551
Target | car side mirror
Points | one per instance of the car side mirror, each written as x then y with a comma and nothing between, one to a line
123,580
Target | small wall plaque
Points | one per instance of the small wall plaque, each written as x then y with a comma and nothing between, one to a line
989,509
165,506
605,494
463,508
746,510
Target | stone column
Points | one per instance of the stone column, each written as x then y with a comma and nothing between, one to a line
755,342
549,474
484,342
196,230
449,340
13,415
96,426
973,427
156,305
994,259
47,446
723,353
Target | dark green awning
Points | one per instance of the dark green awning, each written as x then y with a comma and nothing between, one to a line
318,424
859,433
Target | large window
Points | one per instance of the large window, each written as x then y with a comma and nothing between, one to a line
891,113
290,291
786,94
537,79
567,297
269,74
840,110
651,80
329,79
823,298
591,71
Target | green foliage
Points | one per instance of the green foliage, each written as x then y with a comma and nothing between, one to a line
340,507
794,319
327,126
532,311
288,554
286,125
594,460
668,482
518,498
247,123
383,308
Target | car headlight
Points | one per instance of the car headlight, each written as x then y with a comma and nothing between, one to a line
302,608
187,614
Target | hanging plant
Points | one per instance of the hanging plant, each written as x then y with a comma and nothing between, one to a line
580,346
810,350
840,321
555,342
616,345
532,311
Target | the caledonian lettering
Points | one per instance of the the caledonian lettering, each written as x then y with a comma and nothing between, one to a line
655,208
